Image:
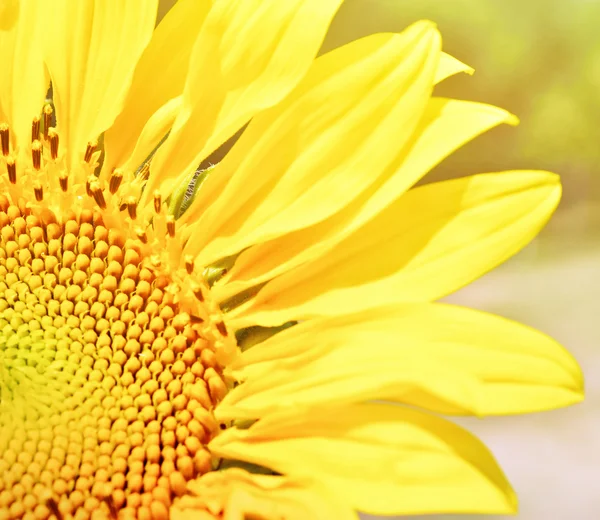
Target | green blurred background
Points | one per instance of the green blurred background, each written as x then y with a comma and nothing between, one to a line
540,59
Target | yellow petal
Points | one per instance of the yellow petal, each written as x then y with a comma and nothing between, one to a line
91,49
446,125
444,358
248,56
381,459
155,129
159,77
23,82
342,126
236,495
449,66
9,12
432,241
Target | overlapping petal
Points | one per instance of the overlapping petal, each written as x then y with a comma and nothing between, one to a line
469,362
314,195
237,495
429,243
446,125
228,82
91,48
380,459
23,82
159,78
322,146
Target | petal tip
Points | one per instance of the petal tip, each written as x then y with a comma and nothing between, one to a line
426,29
425,25
555,193
512,120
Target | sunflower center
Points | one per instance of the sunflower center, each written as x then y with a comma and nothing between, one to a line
106,385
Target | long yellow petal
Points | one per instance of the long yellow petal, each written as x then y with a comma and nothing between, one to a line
432,241
324,145
237,495
381,459
23,82
91,49
446,125
159,77
447,66
249,55
444,358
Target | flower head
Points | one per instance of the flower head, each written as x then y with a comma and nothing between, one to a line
208,343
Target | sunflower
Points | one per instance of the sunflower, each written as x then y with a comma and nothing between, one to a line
254,338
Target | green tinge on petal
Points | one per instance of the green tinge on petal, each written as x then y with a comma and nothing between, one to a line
183,195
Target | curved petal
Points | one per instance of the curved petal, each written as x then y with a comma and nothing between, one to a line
91,50
249,55
342,126
381,459
446,125
23,82
155,129
432,241
159,77
236,495
449,66
444,358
